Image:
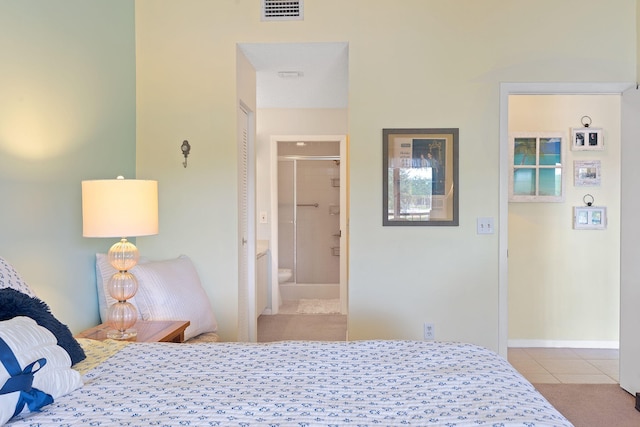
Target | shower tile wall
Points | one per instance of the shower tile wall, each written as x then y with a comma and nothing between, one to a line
317,260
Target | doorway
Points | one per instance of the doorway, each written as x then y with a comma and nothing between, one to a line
508,90
296,88
334,189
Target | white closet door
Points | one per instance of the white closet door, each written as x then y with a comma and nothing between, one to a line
247,319
629,248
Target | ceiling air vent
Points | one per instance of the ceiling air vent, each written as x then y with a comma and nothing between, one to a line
282,10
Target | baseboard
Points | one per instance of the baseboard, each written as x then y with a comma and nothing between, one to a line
564,344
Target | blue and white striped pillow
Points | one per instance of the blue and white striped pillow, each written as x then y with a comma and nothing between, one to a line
26,343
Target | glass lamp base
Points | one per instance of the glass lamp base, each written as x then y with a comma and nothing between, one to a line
122,335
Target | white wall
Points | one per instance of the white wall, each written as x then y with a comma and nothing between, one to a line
564,284
428,65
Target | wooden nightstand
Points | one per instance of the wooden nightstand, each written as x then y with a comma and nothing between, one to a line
148,331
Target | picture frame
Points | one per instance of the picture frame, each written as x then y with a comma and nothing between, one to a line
589,217
586,139
420,177
586,173
537,167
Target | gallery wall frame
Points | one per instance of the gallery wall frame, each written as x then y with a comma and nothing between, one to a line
589,217
587,139
586,173
420,177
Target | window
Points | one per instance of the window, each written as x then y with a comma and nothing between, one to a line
537,167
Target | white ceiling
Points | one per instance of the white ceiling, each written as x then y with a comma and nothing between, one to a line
324,68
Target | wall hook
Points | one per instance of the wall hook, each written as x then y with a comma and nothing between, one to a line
185,148
588,199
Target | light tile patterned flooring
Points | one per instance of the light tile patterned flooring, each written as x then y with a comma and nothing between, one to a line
566,365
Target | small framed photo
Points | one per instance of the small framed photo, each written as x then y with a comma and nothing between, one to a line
589,218
586,173
587,138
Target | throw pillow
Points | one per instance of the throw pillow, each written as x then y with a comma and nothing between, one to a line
31,350
171,290
9,278
15,303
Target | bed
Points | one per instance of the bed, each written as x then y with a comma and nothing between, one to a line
297,383
50,378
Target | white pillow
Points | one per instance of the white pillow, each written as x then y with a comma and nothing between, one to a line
104,271
171,290
9,278
28,343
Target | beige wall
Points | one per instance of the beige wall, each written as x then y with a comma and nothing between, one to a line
564,284
426,65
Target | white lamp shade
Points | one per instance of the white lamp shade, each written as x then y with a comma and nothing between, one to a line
119,208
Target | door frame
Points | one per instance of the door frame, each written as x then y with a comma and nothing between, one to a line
344,247
507,89
247,319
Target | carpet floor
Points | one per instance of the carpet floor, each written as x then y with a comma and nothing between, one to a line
592,405
313,327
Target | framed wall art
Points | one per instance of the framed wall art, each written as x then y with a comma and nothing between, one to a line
590,218
420,176
586,138
537,163
586,173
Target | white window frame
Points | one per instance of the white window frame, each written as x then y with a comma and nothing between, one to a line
537,167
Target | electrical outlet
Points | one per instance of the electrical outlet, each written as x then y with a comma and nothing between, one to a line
429,332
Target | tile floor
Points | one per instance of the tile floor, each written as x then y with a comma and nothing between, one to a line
566,365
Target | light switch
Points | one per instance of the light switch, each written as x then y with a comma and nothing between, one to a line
485,225
263,217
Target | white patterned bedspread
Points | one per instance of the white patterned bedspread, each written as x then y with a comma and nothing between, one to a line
300,383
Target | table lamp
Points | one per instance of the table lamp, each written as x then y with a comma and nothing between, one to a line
120,208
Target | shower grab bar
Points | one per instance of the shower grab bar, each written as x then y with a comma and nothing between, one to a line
315,205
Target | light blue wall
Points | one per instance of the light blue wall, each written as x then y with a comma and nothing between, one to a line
67,113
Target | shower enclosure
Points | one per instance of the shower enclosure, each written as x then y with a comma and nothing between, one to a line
309,225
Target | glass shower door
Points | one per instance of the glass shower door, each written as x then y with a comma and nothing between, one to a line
286,215
317,222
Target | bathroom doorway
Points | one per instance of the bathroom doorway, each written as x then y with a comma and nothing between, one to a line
309,231
300,89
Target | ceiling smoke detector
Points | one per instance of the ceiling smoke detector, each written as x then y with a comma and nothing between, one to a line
282,10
